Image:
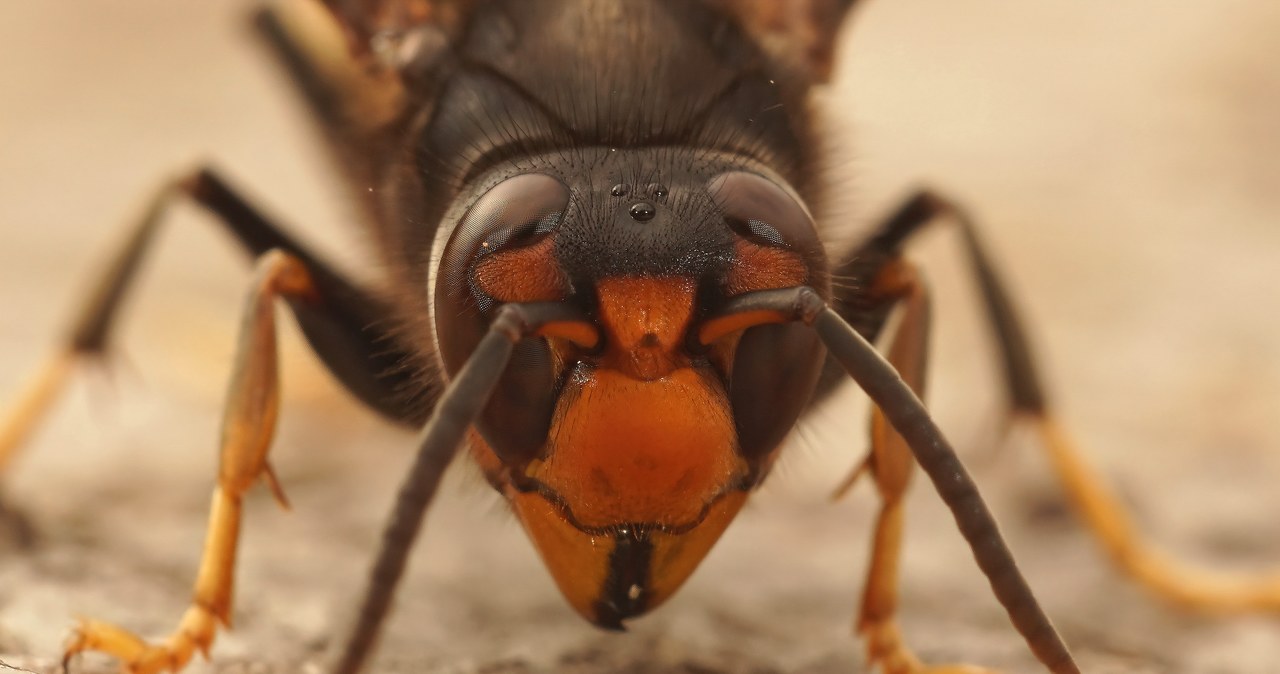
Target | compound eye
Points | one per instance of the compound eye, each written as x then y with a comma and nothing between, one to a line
777,245
759,210
516,212
501,251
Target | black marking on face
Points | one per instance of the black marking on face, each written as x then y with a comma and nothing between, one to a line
626,588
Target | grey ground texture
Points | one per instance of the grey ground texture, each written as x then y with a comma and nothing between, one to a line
1123,157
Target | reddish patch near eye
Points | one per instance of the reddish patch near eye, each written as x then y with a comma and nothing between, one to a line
757,267
528,274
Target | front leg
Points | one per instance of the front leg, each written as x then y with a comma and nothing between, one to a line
347,327
247,430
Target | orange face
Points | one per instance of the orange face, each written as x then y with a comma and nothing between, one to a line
641,454
641,473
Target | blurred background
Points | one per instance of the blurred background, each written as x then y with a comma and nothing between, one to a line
1123,159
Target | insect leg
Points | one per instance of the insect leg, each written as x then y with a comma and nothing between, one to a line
343,327
890,465
35,400
899,405
247,429
460,404
1102,511
926,208
87,336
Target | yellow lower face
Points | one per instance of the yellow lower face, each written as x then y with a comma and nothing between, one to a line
637,484
640,474
610,577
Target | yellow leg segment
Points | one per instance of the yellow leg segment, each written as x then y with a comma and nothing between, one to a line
32,405
1195,589
88,334
196,630
247,429
891,465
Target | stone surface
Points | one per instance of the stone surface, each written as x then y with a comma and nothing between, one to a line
1124,159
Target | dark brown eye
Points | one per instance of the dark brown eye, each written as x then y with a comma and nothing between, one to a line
777,247
761,211
514,213
501,251
776,244
511,213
